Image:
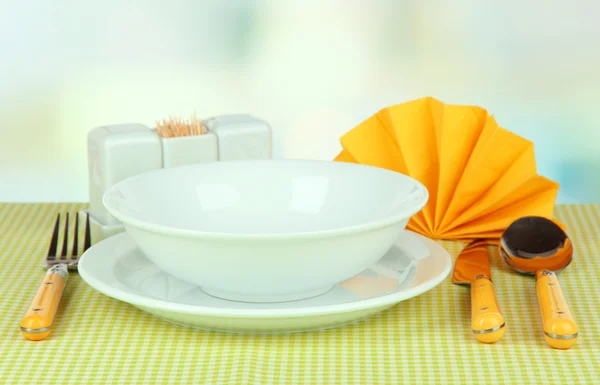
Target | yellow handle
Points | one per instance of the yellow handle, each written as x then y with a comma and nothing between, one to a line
560,329
37,322
487,321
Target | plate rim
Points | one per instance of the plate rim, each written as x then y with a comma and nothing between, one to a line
138,300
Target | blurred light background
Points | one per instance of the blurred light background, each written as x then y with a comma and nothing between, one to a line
312,69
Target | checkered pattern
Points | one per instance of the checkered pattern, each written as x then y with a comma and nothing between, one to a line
98,340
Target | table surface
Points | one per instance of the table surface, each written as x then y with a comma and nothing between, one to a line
99,340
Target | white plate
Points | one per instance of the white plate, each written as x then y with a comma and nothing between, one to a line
118,269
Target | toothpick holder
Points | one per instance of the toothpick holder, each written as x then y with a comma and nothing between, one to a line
121,151
189,150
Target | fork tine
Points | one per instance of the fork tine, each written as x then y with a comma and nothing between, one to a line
63,254
54,242
87,242
75,252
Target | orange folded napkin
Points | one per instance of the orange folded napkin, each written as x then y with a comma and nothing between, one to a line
480,176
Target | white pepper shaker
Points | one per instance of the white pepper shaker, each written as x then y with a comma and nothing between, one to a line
241,136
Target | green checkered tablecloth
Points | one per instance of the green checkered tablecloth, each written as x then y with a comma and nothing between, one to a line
99,340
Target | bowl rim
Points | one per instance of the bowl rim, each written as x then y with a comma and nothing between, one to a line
420,192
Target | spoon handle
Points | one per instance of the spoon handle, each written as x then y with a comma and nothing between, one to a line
560,329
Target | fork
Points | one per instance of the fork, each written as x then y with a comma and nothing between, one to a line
51,259
37,322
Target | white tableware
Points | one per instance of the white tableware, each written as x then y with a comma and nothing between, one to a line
116,152
266,230
118,269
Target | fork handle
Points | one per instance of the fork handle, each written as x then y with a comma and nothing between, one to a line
37,322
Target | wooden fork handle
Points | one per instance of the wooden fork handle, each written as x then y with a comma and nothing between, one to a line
37,322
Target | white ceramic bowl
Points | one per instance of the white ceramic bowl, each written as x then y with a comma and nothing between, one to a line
266,230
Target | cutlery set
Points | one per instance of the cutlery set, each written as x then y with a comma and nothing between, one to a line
540,247
547,251
530,245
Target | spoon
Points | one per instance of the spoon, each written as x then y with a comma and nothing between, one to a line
540,246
